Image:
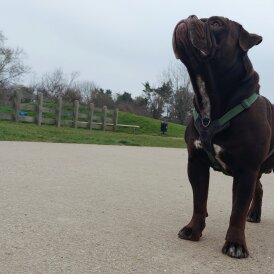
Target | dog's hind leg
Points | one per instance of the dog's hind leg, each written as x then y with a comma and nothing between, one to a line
255,210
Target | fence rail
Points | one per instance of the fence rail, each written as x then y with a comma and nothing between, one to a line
36,110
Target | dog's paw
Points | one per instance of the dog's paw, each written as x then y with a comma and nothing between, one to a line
235,250
254,217
187,233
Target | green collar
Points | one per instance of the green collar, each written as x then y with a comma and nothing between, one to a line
245,104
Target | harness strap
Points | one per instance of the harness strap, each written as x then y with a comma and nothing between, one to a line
270,153
245,104
207,133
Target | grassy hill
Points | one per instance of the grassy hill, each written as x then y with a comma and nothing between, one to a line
148,125
147,135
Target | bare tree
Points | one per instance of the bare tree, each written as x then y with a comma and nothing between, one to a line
86,89
181,100
177,74
56,83
11,64
53,83
183,103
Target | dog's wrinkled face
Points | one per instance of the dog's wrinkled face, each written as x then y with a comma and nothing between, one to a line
197,41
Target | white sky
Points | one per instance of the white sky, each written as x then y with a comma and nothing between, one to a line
121,44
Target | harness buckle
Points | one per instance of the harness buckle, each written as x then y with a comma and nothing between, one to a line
206,122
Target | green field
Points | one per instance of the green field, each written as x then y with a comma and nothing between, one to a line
148,134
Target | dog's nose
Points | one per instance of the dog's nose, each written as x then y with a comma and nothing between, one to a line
192,17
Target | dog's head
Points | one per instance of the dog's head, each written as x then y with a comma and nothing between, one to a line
197,41
214,50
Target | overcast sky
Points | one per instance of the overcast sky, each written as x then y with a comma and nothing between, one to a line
120,44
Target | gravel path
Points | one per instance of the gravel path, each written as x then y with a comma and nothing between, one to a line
68,208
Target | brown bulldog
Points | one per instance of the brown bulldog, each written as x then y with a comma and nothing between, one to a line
232,125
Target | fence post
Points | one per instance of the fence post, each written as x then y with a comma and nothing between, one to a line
75,113
59,111
39,109
17,102
104,117
115,118
90,115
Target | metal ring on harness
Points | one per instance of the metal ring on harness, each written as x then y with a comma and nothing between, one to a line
206,122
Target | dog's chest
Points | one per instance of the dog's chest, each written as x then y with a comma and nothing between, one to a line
205,113
205,104
219,151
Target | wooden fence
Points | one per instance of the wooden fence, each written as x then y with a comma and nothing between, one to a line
38,111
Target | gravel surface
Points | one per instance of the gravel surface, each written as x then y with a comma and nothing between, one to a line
69,208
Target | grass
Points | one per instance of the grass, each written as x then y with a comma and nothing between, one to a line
147,135
149,126
11,131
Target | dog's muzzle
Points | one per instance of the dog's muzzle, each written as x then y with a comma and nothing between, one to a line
192,36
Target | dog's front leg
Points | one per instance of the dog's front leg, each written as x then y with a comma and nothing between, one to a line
198,173
243,189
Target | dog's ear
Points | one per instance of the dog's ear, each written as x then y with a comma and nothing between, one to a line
248,40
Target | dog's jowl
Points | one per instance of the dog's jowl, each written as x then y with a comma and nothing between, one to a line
232,125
